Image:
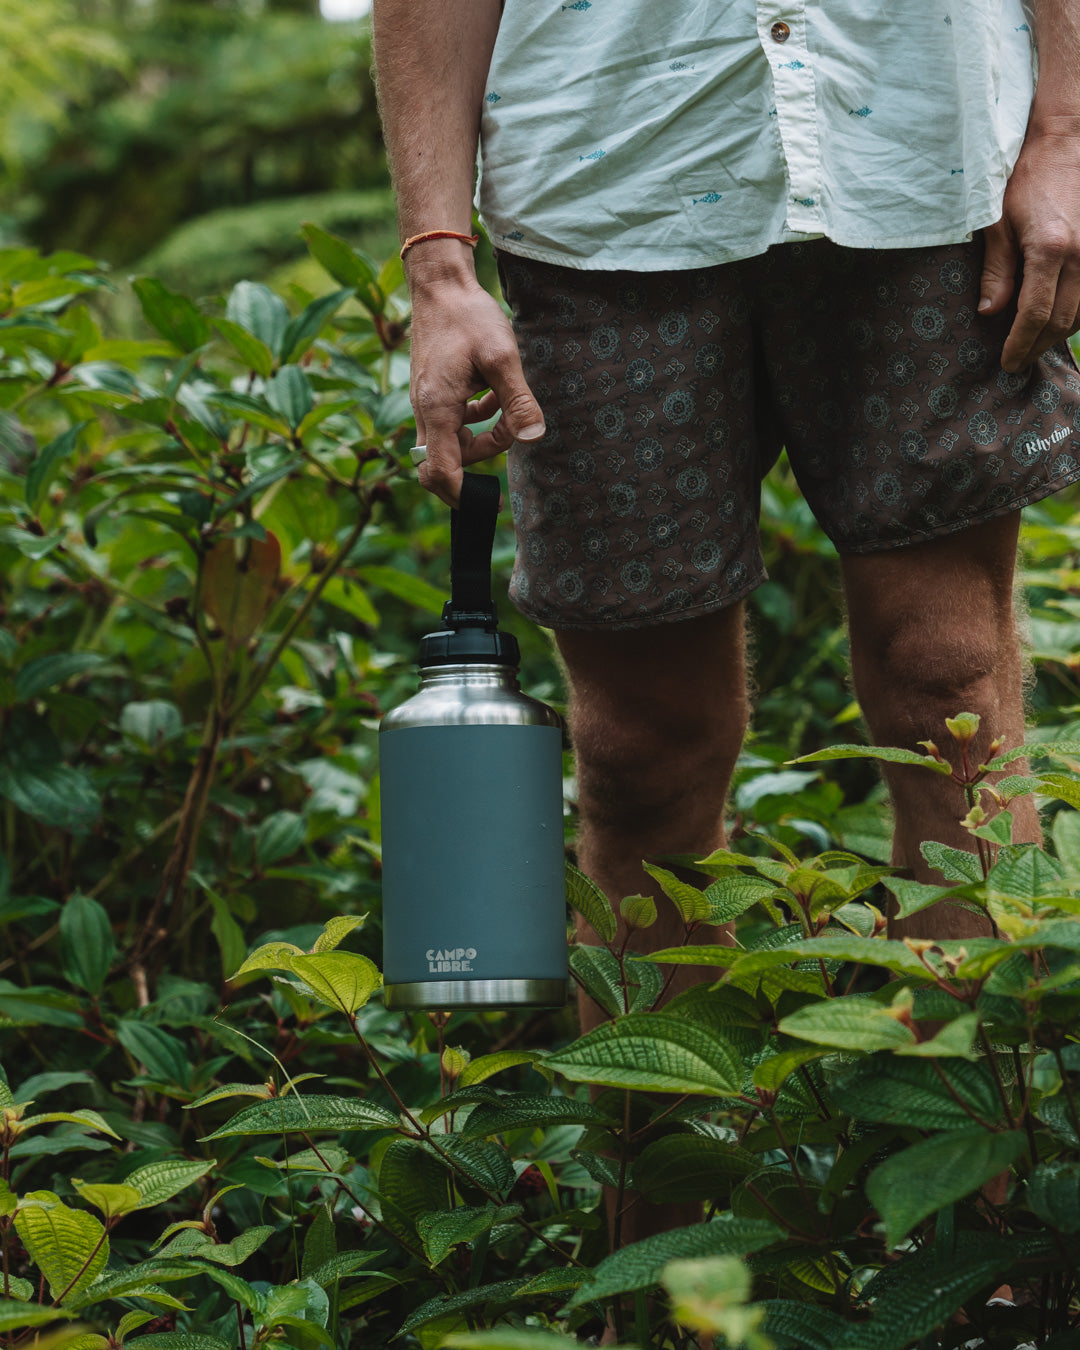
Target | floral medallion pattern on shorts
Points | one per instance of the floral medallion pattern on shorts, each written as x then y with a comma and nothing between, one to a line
668,396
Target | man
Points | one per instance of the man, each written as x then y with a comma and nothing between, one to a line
723,228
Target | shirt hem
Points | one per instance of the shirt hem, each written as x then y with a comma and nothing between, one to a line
652,260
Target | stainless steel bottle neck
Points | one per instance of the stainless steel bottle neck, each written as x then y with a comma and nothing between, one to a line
474,673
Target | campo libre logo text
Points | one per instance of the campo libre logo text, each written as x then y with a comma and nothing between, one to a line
452,958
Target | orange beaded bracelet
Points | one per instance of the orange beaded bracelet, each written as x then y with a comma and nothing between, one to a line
471,239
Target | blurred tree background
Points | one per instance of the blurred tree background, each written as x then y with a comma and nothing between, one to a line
188,138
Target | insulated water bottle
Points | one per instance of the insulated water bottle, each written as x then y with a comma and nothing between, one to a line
474,893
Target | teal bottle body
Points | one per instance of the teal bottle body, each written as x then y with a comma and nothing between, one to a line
474,894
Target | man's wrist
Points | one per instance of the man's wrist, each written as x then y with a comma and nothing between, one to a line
435,262
1050,123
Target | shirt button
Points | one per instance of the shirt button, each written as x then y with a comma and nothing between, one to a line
779,32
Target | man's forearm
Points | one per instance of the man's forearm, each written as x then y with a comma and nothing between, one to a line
432,59
1057,36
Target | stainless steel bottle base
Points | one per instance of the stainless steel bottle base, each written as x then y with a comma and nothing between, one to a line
477,994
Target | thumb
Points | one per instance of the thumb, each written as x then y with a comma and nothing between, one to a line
999,269
521,414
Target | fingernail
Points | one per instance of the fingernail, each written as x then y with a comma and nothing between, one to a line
532,432
984,303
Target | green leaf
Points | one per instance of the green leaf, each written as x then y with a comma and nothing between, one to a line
1053,1192
486,1066
44,468
346,595
341,1266
270,956
85,1117
731,896
289,393
87,945
68,1246
55,794
305,328
954,864
15,1314
772,1072
259,311
638,911
434,1308
897,1091
151,723
682,1167
655,1052
913,896
279,836
336,930
405,586
172,315
831,946
230,1090
254,353
336,256
320,1242
640,1265
1025,873
591,903
1034,750
113,1200
851,1023
692,904
177,1340
284,1115
955,1040
926,1176
229,934
328,1158
341,980
511,1338
164,1056
160,1181
520,1110
887,753
443,1230
131,1322
599,972
804,1324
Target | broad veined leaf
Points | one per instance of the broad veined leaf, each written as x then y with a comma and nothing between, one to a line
217,1094
113,1200
279,836
640,1265
692,904
484,1162
834,946
771,1072
160,1181
336,930
955,864
86,1117
412,589
591,903
152,722
305,327
87,945
1053,1192
259,311
254,353
682,1167
486,1066
888,754
913,1184
848,1023
443,1230
638,911
289,393
520,1110
341,980
1034,750
652,1051
1026,873
172,315
15,1314
731,896
43,673
342,1265
345,264
43,469
316,1112
494,1294
68,1246
165,1057
327,1158
602,977
804,1324
270,956
955,1040
895,1091
177,1340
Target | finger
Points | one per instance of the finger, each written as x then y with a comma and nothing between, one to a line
495,441
480,409
440,472
520,410
1034,307
999,269
1065,318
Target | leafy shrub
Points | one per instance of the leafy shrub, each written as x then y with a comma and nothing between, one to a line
214,1134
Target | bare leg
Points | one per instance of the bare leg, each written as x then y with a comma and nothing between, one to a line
657,718
933,634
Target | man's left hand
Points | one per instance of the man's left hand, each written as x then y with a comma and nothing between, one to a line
1040,228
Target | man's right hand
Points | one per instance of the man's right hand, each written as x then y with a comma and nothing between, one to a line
462,343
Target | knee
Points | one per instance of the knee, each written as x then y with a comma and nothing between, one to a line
928,667
640,768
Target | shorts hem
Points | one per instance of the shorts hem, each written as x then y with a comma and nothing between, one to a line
651,620
1018,503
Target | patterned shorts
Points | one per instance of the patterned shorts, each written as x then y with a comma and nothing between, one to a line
668,396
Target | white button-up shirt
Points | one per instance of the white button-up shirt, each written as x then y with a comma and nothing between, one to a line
656,134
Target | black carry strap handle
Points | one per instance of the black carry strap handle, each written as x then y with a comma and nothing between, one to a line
472,535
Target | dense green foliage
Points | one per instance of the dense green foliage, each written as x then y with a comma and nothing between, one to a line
185,137
214,569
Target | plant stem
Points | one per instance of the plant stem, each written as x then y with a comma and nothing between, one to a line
82,1269
240,1324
